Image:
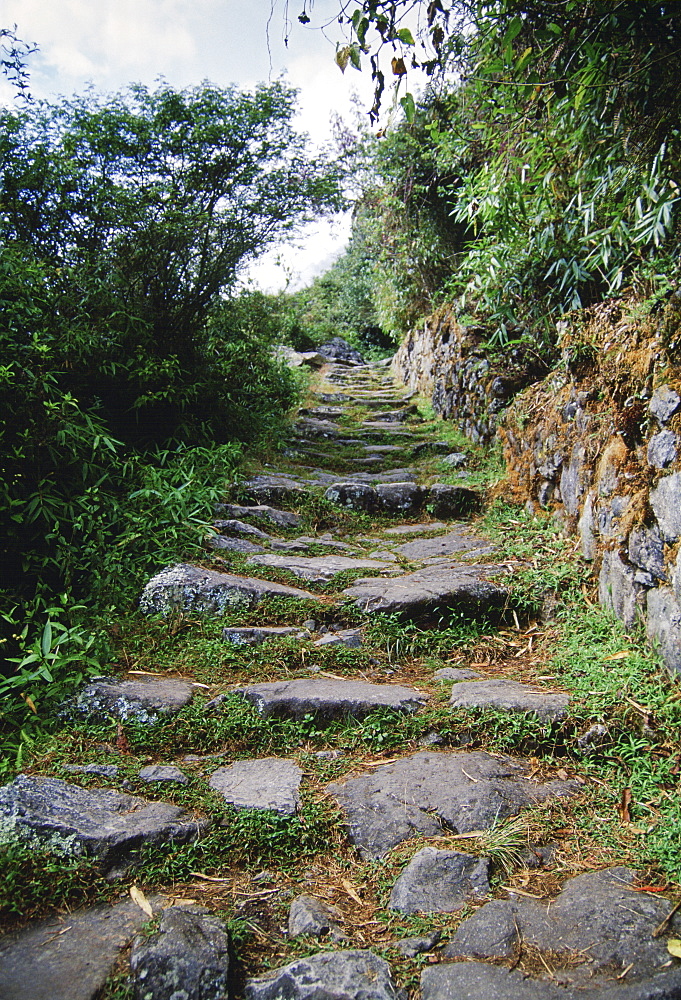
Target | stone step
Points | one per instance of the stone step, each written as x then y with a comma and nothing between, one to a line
436,793
441,499
430,591
100,822
327,699
509,696
270,783
260,512
184,587
317,568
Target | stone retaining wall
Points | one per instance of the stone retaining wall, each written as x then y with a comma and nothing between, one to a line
597,441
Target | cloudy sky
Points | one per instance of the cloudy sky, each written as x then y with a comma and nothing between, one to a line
114,42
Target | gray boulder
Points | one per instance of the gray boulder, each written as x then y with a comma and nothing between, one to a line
187,958
267,783
662,449
432,590
509,696
253,635
261,512
431,793
664,403
273,490
144,700
490,933
41,962
161,773
329,975
354,496
663,624
440,882
327,699
341,352
351,638
191,588
100,822
665,500
399,498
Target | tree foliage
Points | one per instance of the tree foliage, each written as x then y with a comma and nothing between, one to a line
125,221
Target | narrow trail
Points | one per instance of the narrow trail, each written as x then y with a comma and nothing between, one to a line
429,841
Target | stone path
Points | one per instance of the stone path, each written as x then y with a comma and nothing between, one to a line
359,446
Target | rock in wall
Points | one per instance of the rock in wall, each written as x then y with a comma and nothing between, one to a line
465,381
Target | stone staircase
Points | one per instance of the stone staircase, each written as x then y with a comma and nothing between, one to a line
594,936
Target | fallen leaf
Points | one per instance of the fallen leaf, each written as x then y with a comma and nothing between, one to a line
138,897
622,655
674,947
351,891
625,802
122,739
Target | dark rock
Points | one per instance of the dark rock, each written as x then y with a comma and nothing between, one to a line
665,500
596,916
43,962
662,449
100,770
572,480
452,501
329,975
308,915
355,496
490,933
410,947
461,540
646,550
398,416
222,544
432,590
610,515
594,738
509,696
399,498
315,567
253,635
663,625
341,352
144,700
440,882
261,512
191,588
296,359
664,404
313,427
432,793
351,638
232,526
268,783
328,699
187,958
475,981
619,590
100,822
273,490
163,772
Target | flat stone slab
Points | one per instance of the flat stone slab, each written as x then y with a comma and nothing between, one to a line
440,882
461,540
253,635
143,699
416,529
509,696
99,822
432,589
233,526
261,512
316,568
68,957
328,699
329,975
186,957
273,490
267,783
595,928
184,587
163,772
222,543
456,674
431,793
